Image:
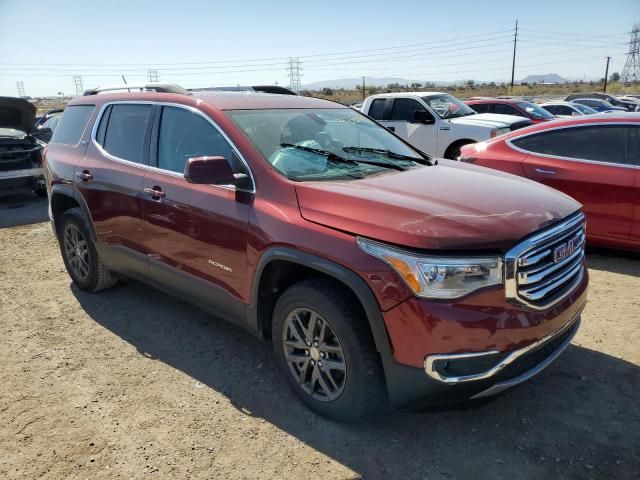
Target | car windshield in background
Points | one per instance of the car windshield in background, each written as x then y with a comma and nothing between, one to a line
447,106
324,144
584,109
535,111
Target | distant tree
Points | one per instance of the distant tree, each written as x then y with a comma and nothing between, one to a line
614,77
327,91
416,85
471,83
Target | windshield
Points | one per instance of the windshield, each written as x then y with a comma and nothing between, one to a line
447,106
535,111
324,144
584,109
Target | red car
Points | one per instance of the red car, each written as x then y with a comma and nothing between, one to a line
376,272
521,108
594,159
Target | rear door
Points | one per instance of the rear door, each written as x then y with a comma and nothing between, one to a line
110,180
402,119
635,159
592,164
196,235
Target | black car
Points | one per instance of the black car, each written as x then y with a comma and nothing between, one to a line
616,102
45,125
20,150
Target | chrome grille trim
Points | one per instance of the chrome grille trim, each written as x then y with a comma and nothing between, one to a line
532,278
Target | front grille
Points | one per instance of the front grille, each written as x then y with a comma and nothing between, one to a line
548,266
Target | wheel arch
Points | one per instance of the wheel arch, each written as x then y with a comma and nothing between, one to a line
460,142
294,266
63,198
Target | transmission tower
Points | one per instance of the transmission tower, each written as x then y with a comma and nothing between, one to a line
77,81
152,76
631,70
294,73
20,86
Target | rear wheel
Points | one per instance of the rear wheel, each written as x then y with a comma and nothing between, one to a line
324,347
79,254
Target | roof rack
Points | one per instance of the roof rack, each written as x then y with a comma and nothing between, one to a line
139,87
277,89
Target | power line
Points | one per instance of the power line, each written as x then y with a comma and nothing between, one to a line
294,74
152,76
513,63
77,81
20,85
631,70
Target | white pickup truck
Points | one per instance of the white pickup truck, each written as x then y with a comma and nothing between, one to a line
437,123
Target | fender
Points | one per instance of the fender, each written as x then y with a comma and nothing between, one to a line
67,190
337,271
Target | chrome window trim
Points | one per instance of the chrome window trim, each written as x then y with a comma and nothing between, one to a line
151,168
571,159
430,361
513,255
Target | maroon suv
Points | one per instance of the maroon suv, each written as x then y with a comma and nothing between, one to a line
377,272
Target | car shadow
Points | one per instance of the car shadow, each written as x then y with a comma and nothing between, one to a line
614,261
20,206
580,418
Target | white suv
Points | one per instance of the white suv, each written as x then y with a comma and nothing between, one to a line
437,123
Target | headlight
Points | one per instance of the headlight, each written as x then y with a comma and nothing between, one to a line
437,277
499,131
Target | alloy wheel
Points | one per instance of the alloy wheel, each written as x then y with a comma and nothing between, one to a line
314,355
77,251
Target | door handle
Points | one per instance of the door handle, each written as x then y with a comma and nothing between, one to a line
546,172
155,192
84,175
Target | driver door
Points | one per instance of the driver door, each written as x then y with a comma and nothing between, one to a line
403,120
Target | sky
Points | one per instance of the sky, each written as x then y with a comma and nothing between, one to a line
196,43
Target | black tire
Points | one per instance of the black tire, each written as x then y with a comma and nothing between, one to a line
41,192
363,390
92,275
453,151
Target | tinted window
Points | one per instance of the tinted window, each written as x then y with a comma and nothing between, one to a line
72,124
404,109
611,144
376,110
564,110
184,135
125,134
554,109
480,107
506,110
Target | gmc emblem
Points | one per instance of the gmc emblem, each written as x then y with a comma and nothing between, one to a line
565,250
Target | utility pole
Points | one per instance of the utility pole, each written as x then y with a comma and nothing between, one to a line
20,86
513,63
77,81
606,75
362,88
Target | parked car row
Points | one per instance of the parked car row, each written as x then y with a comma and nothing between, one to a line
378,272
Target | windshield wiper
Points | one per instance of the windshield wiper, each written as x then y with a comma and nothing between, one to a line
337,158
382,151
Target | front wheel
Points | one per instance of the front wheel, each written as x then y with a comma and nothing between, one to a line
453,152
324,347
81,260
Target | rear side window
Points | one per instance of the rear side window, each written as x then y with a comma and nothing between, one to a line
404,109
376,110
480,107
506,110
611,144
125,130
72,124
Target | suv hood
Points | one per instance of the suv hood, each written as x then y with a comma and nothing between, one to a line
450,206
492,120
17,113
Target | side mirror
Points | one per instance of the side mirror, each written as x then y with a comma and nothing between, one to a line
209,170
44,131
422,116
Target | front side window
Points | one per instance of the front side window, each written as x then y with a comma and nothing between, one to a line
504,109
376,110
72,124
535,111
603,143
324,144
125,130
480,107
184,135
404,110
447,106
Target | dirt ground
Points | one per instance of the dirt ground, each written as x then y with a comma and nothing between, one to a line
131,383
